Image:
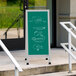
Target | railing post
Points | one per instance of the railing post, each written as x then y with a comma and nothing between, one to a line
5,35
18,29
16,72
69,58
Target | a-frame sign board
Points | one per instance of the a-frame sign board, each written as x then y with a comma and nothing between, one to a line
37,34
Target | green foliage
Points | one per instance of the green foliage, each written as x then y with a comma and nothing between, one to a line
3,3
31,2
40,2
9,13
8,16
13,2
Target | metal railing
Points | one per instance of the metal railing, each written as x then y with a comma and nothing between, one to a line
70,45
17,66
18,26
11,17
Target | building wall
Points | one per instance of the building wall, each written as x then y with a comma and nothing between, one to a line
73,11
66,12
73,16
73,8
63,14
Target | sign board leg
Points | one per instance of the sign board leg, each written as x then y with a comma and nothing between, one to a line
49,57
27,60
46,58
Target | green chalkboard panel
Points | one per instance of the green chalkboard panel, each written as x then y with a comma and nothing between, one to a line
38,43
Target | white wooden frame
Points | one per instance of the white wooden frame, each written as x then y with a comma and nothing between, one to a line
26,34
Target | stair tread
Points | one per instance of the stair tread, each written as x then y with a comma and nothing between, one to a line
58,74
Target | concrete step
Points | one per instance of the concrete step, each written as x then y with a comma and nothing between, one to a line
39,70
59,59
58,74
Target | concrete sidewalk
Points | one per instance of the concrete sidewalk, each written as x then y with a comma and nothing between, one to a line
12,33
58,57
38,65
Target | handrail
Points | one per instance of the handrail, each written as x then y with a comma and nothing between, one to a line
69,30
17,66
15,21
73,47
70,45
64,46
71,25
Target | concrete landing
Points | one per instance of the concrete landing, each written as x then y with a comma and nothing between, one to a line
38,65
